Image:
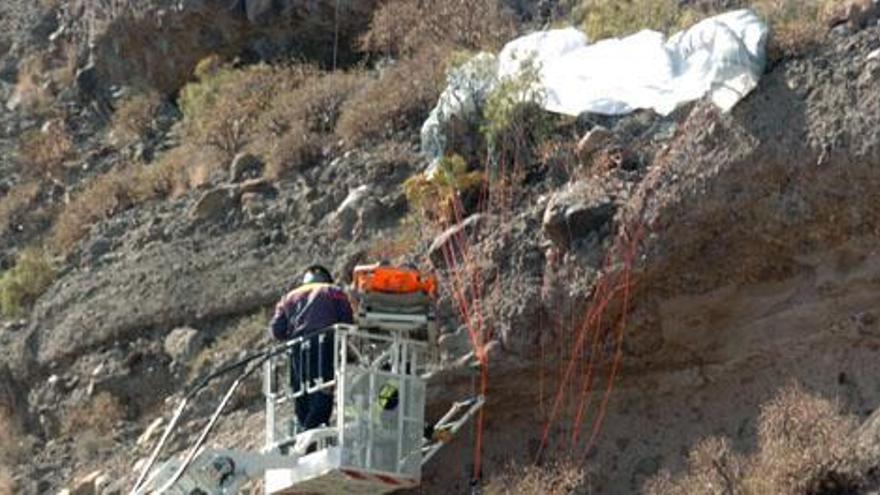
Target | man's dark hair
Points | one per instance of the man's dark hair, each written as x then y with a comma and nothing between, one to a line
317,273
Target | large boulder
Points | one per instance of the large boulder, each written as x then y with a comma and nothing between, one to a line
576,211
183,343
245,166
215,204
445,250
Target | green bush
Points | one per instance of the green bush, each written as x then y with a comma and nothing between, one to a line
20,286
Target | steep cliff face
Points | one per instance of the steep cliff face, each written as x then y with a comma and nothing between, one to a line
759,267
158,43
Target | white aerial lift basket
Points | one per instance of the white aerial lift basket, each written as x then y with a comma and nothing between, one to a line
374,444
376,440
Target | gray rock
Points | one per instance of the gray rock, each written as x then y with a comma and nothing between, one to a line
576,211
446,243
87,81
594,140
868,437
87,485
98,248
214,204
183,343
245,166
455,344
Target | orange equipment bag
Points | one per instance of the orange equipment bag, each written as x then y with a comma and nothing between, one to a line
393,280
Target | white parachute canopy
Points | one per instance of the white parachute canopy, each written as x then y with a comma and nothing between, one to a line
721,57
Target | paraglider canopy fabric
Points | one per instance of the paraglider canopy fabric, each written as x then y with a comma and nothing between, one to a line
722,57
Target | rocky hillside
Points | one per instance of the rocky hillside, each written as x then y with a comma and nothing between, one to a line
168,168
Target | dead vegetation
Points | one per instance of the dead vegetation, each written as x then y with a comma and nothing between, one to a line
796,25
42,152
805,445
134,117
7,485
10,439
16,203
100,414
407,27
563,478
399,99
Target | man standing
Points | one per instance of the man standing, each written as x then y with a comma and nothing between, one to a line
304,312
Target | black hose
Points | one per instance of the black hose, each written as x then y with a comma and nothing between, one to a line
204,382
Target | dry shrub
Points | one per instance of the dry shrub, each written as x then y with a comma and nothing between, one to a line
609,18
563,478
406,27
303,120
16,203
43,151
20,286
401,244
134,117
293,151
316,102
100,415
713,468
104,197
805,446
41,76
400,99
7,484
31,91
10,439
804,443
796,25
223,109
178,170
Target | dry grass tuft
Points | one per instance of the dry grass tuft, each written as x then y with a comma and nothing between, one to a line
400,99
43,151
558,479
223,109
119,189
303,120
7,484
805,445
100,415
134,117
16,204
609,18
407,27
796,25
104,197
10,439
293,151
